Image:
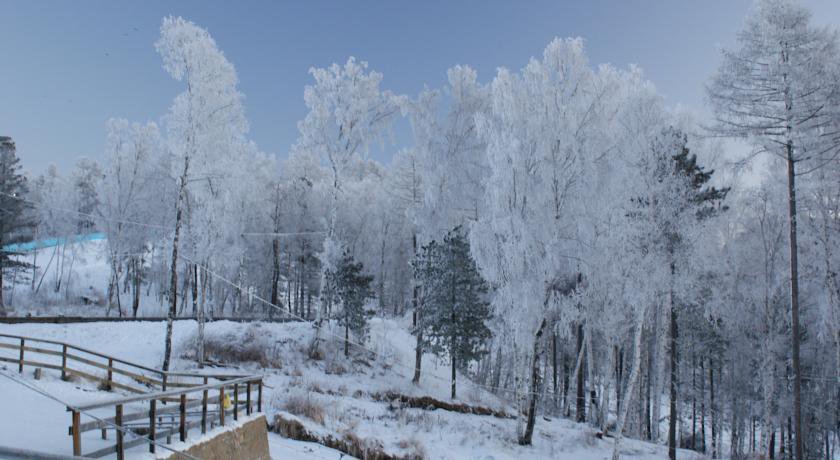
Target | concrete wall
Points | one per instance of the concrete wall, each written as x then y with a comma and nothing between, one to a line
245,440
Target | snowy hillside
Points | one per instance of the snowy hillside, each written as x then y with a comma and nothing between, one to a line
329,396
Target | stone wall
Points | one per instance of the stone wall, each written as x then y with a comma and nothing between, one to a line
246,440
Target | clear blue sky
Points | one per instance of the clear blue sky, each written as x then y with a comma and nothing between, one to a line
69,66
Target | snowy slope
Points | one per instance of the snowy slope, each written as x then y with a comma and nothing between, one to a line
342,389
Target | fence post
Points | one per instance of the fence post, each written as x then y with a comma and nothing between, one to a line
236,401
20,364
77,438
110,373
152,404
163,381
64,362
222,405
183,426
259,396
248,398
118,423
204,409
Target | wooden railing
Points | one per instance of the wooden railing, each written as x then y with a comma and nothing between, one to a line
165,422
68,359
149,385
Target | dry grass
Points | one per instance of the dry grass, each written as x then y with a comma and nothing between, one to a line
304,405
242,348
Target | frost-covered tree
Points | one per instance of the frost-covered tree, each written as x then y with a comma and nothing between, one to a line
202,122
14,221
131,194
347,112
86,178
779,89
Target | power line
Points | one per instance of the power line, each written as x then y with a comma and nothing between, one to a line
488,388
492,390
84,214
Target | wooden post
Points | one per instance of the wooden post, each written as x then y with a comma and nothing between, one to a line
236,401
259,397
64,362
163,381
77,438
222,405
248,398
183,426
152,425
20,364
204,409
118,423
110,372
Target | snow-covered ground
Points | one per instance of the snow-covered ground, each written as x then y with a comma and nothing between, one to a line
69,279
341,391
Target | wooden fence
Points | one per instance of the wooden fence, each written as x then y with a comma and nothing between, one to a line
163,422
148,384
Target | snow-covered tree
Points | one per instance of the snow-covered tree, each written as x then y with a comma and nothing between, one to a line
779,89
203,123
14,220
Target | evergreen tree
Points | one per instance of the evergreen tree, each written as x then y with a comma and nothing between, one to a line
13,210
705,201
352,289
86,179
455,309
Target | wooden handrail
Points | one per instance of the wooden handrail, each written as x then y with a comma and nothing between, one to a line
109,357
169,393
229,382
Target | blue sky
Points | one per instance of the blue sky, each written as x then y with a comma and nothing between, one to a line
69,66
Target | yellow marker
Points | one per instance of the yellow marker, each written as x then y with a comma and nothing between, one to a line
226,403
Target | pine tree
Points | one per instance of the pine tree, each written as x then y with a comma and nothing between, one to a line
705,201
455,309
352,288
13,210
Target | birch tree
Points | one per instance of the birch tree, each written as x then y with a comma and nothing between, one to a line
201,120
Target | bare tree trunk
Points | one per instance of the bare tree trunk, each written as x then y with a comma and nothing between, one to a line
199,318
580,410
634,376
702,406
275,276
525,439
554,367
794,302
173,277
135,303
415,301
712,410
672,415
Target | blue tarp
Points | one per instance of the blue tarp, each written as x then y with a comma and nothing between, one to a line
50,242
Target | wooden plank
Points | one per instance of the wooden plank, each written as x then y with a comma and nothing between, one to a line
236,401
22,347
152,425
119,423
64,362
96,424
136,441
248,398
222,405
164,394
31,363
77,435
183,412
